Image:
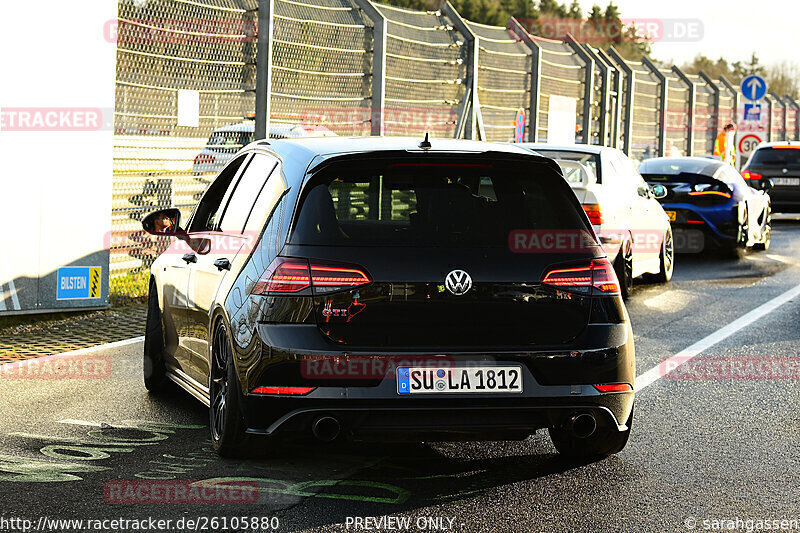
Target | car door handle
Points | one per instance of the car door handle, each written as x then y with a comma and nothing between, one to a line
190,258
222,264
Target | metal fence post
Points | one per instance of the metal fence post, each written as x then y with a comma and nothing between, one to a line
769,122
735,93
379,32
605,96
588,86
616,90
692,106
627,133
796,108
536,76
469,114
264,68
662,130
783,105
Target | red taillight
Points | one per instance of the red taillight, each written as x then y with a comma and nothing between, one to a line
284,276
203,159
614,387
594,213
710,193
291,391
288,276
746,174
326,278
596,277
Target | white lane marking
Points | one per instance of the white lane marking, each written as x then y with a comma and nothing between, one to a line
655,373
14,299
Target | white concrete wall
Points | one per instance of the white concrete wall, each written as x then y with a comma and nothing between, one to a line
55,185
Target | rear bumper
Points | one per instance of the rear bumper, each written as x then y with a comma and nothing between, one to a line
695,227
441,418
359,389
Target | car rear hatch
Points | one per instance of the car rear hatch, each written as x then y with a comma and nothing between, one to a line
690,188
781,164
382,235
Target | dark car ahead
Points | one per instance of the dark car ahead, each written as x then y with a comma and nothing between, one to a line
387,289
776,167
710,197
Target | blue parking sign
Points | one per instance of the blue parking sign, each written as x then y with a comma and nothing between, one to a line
752,112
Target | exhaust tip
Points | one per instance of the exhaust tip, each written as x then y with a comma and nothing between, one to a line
326,428
582,425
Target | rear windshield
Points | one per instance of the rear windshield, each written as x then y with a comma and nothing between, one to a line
673,167
777,156
575,165
432,204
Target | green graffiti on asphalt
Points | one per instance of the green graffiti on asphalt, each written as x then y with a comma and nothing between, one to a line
304,488
98,446
27,470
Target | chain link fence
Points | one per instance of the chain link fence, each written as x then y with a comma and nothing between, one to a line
187,78
504,80
166,50
425,73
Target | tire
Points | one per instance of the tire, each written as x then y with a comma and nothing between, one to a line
739,249
154,368
623,266
765,244
666,259
225,413
767,239
602,443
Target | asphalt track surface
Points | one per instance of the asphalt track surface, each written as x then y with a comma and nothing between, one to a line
712,449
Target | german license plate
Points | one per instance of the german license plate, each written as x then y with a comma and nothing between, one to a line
672,215
473,380
786,181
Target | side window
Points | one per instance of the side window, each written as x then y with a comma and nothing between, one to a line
616,176
270,195
631,175
207,213
732,177
246,192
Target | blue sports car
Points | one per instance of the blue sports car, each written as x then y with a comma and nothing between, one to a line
709,199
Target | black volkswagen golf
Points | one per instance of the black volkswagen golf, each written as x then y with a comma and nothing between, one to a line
391,289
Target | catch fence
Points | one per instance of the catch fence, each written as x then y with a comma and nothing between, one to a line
199,79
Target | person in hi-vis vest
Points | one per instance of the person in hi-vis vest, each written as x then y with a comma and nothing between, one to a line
725,145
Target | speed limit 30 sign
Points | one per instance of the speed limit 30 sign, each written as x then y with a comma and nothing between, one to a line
748,143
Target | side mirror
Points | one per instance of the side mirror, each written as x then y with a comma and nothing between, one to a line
164,223
659,191
767,184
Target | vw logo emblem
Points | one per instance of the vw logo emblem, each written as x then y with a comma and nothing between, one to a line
458,282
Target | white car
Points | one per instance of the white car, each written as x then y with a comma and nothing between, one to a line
225,142
624,210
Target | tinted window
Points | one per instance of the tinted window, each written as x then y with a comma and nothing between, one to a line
432,204
590,161
777,156
246,192
270,194
207,213
678,166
